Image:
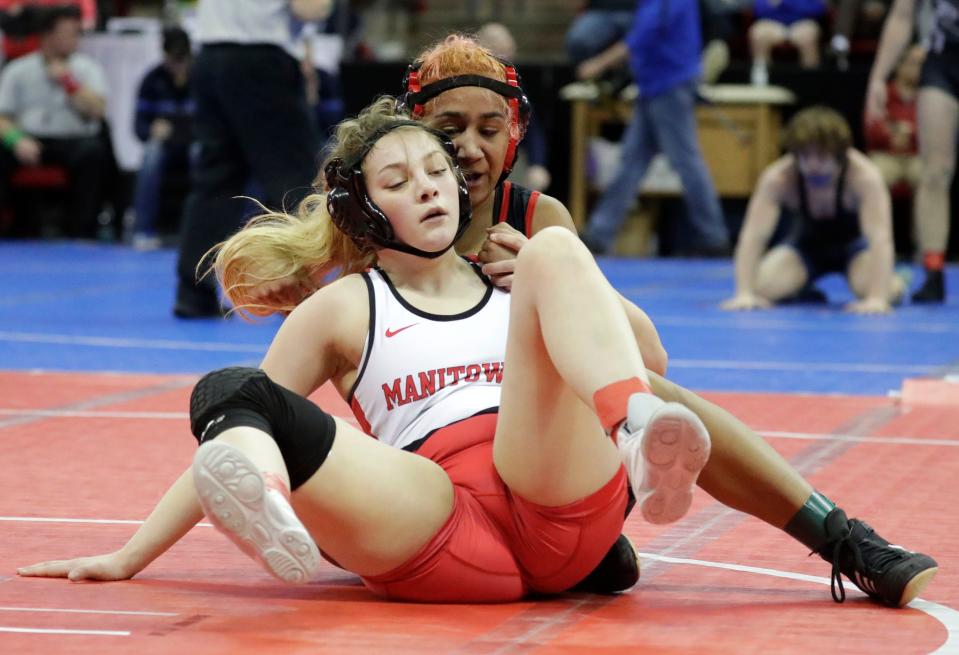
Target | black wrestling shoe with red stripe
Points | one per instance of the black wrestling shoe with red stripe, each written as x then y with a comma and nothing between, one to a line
933,290
887,573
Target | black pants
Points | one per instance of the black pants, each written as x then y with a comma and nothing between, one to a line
251,122
86,160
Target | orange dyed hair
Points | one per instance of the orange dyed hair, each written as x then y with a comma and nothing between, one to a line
462,54
458,54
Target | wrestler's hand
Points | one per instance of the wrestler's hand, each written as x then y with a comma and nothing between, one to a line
498,254
745,301
112,566
870,306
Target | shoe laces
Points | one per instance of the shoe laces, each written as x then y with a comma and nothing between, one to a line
862,549
835,579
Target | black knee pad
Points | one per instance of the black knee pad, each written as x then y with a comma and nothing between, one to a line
247,397
217,391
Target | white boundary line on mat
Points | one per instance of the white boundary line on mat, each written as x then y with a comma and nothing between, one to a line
948,617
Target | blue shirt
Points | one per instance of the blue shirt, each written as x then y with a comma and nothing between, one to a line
788,12
664,45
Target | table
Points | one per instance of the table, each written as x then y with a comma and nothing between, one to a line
739,128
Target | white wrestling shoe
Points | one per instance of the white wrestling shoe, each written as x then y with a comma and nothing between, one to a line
257,518
664,447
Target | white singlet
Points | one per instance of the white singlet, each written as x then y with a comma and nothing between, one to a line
422,371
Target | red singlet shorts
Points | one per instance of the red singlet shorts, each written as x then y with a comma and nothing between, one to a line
496,546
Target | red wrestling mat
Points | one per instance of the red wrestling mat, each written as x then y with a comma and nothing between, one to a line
86,456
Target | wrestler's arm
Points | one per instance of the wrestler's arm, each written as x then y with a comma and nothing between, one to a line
498,255
304,354
875,222
762,215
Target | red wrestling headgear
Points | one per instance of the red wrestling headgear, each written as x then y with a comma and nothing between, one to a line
415,96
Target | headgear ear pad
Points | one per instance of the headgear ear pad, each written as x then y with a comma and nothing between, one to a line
355,214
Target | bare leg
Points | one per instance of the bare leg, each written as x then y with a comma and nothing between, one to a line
859,276
743,472
369,506
373,505
781,274
568,337
892,167
913,167
805,36
764,35
938,117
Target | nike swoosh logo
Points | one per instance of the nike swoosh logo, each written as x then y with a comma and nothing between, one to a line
393,333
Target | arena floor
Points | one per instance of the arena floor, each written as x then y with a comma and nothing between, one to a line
94,380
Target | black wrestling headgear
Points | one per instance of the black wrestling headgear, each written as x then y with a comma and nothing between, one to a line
357,216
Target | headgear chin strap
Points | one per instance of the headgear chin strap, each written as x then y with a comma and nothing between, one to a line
416,96
355,214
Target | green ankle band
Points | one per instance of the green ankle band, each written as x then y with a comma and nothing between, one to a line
808,526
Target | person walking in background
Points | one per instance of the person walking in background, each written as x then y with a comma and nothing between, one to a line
938,125
251,121
164,123
52,105
602,23
663,47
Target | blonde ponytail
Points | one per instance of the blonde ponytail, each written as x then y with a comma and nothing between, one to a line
304,248
301,249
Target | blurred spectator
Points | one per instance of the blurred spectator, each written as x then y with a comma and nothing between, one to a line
937,110
855,17
718,25
20,13
498,39
663,48
52,104
322,46
795,22
892,140
251,121
164,123
842,222
600,25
